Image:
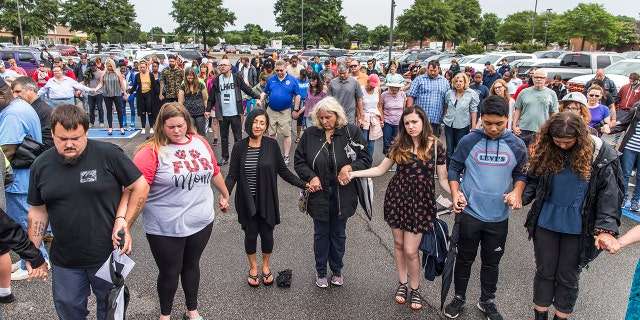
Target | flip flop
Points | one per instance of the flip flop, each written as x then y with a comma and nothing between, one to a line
253,278
265,277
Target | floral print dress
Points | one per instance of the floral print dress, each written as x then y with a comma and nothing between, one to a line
410,203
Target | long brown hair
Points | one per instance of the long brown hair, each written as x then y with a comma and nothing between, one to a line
547,157
191,87
400,151
168,110
505,94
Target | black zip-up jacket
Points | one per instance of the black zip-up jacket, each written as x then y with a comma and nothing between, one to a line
239,85
630,121
13,237
600,209
312,159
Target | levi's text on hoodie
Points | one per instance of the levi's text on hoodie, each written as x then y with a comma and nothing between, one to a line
488,167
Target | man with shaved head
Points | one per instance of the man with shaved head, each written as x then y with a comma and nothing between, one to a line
534,106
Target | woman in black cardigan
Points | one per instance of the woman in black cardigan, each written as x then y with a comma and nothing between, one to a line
147,87
256,161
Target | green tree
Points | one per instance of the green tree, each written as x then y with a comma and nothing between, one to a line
467,49
233,38
427,19
590,22
516,27
36,16
626,32
489,25
97,16
156,34
359,32
130,35
379,36
322,19
208,18
466,19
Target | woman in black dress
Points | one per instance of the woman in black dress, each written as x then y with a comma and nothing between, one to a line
410,202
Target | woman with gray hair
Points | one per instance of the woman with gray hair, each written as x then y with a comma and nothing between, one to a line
327,152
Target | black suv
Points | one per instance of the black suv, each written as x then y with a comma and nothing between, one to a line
190,54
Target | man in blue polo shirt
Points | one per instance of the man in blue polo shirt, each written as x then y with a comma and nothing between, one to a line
283,91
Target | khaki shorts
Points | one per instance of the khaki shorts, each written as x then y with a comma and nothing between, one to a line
279,121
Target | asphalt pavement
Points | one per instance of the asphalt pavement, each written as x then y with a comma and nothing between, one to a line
370,276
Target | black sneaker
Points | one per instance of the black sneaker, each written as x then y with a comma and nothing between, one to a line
452,310
215,142
223,161
8,298
490,310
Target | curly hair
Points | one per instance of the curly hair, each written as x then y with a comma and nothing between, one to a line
400,151
547,157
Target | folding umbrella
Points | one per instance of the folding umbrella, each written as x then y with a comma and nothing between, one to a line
115,270
447,273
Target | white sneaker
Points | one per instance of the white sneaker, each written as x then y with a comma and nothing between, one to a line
151,131
19,275
143,131
15,266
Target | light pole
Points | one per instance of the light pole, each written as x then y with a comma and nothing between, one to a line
19,22
546,28
533,26
393,6
302,25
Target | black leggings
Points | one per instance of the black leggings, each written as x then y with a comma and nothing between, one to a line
257,225
109,102
179,257
144,108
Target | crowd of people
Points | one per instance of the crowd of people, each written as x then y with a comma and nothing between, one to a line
508,143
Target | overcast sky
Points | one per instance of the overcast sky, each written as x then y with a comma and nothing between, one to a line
368,12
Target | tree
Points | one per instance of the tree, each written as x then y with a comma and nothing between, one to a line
626,32
379,35
322,19
466,19
488,28
97,16
36,16
516,27
156,34
208,18
130,35
590,22
359,32
427,19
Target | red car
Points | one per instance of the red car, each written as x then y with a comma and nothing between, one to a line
230,49
66,50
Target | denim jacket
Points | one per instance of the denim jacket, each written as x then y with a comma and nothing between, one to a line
458,113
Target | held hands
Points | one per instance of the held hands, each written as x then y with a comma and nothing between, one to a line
513,200
606,129
224,204
459,202
259,102
207,115
161,97
314,185
40,272
343,175
608,243
121,224
517,130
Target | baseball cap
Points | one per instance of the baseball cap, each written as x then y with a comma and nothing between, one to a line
92,64
205,60
268,64
575,97
487,63
2,83
374,80
58,59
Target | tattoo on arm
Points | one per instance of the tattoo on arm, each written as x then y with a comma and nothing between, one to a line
138,209
39,228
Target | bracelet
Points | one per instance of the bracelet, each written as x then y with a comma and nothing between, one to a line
118,217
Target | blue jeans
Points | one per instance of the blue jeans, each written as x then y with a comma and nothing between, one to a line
630,160
329,240
389,133
71,292
371,144
132,106
453,137
18,210
95,102
55,102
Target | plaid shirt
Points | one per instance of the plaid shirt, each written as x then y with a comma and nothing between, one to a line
429,95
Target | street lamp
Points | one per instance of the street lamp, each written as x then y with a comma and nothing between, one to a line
533,25
19,22
302,25
546,28
393,6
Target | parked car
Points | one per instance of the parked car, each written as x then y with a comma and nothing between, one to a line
216,48
25,59
268,52
335,52
308,55
105,55
243,49
495,59
66,50
229,49
580,63
618,72
408,59
525,64
549,54
190,54
631,54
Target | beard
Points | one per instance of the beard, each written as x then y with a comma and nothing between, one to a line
70,161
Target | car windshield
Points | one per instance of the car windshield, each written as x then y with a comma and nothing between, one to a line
623,68
492,58
469,59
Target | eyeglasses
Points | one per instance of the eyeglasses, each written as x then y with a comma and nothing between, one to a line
223,65
573,109
539,78
594,95
498,87
17,91
354,65
279,70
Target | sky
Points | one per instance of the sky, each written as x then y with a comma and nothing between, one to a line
370,13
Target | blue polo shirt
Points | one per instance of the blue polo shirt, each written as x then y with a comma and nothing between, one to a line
281,93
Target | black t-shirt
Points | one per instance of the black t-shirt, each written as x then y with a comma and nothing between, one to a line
81,201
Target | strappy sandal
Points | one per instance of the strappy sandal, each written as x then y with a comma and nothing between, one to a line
416,299
255,279
297,140
265,277
401,293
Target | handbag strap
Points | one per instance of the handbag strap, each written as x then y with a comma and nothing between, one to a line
435,161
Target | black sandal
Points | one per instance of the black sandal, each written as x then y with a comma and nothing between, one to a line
254,278
401,293
416,299
265,277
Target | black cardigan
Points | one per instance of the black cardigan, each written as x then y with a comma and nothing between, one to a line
239,85
270,165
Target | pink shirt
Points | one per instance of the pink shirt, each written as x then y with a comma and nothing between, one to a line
393,106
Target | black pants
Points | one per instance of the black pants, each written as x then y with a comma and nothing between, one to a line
258,226
557,269
109,102
95,102
491,237
178,258
200,123
528,137
236,127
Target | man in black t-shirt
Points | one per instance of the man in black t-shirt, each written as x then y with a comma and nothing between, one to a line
78,187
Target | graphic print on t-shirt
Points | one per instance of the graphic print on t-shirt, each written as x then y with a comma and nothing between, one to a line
491,158
185,170
88,176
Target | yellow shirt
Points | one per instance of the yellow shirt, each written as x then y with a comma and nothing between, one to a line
145,79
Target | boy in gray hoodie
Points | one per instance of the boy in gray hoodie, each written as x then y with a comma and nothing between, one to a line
488,160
